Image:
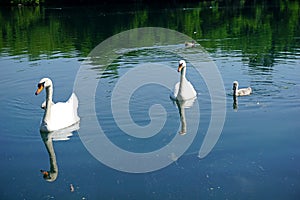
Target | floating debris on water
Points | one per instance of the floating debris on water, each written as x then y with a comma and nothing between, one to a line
72,188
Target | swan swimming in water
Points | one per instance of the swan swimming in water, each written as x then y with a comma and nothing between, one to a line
190,44
57,115
183,90
240,92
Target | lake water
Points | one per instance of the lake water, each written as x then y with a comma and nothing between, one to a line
257,155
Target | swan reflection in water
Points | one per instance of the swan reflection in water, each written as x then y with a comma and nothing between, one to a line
235,104
182,105
48,138
239,92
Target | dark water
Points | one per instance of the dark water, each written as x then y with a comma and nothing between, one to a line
257,155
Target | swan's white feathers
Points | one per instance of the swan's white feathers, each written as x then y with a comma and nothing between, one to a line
183,90
242,91
187,91
58,115
175,91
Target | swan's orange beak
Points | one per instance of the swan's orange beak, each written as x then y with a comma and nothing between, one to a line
40,88
45,173
180,67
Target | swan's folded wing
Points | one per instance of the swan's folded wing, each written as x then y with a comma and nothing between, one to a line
175,91
73,101
244,91
187,90
64,114
192,89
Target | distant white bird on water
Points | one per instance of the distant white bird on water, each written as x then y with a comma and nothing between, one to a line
242,91
190,44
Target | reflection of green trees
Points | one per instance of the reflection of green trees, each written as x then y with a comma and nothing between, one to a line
23,2
25,31
260,31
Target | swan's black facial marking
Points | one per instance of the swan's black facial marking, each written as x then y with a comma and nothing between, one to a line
41,85
180,67
40,88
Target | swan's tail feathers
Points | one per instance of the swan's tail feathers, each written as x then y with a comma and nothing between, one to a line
74,102
250,89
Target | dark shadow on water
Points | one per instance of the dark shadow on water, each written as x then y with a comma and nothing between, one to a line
235,104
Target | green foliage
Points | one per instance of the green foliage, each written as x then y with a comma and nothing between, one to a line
39,31
22,2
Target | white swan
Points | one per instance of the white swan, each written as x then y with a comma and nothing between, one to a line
59,115
190,44
240,92
183,90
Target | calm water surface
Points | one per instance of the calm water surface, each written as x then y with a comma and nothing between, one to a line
257,155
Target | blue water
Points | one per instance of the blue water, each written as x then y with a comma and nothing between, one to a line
256,157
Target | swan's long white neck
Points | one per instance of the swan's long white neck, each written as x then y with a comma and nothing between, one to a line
236,92
49,94
182,77
235,89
